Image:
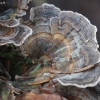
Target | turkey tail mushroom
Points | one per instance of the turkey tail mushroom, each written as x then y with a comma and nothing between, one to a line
16,35
64,36
10,9
69,40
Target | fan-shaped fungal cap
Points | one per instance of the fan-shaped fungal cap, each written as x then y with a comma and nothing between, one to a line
88,78
43,13
69,40
15,35
9,9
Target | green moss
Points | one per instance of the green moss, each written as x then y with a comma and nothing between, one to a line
5,94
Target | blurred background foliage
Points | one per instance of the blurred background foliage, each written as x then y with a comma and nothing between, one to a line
89,8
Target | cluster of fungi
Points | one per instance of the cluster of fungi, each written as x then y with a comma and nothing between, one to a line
63,48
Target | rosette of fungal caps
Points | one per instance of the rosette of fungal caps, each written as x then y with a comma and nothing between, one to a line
11,8
64,45
11,31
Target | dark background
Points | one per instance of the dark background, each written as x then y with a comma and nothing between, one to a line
89,8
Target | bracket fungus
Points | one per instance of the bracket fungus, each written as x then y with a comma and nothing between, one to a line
15,35
62,45
68,39
88,78
11,8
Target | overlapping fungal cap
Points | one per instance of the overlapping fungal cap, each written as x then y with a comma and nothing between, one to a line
40,74
88,78
74,93
15,35
80,41
40,16
36,75
40,20
9,9
68,39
